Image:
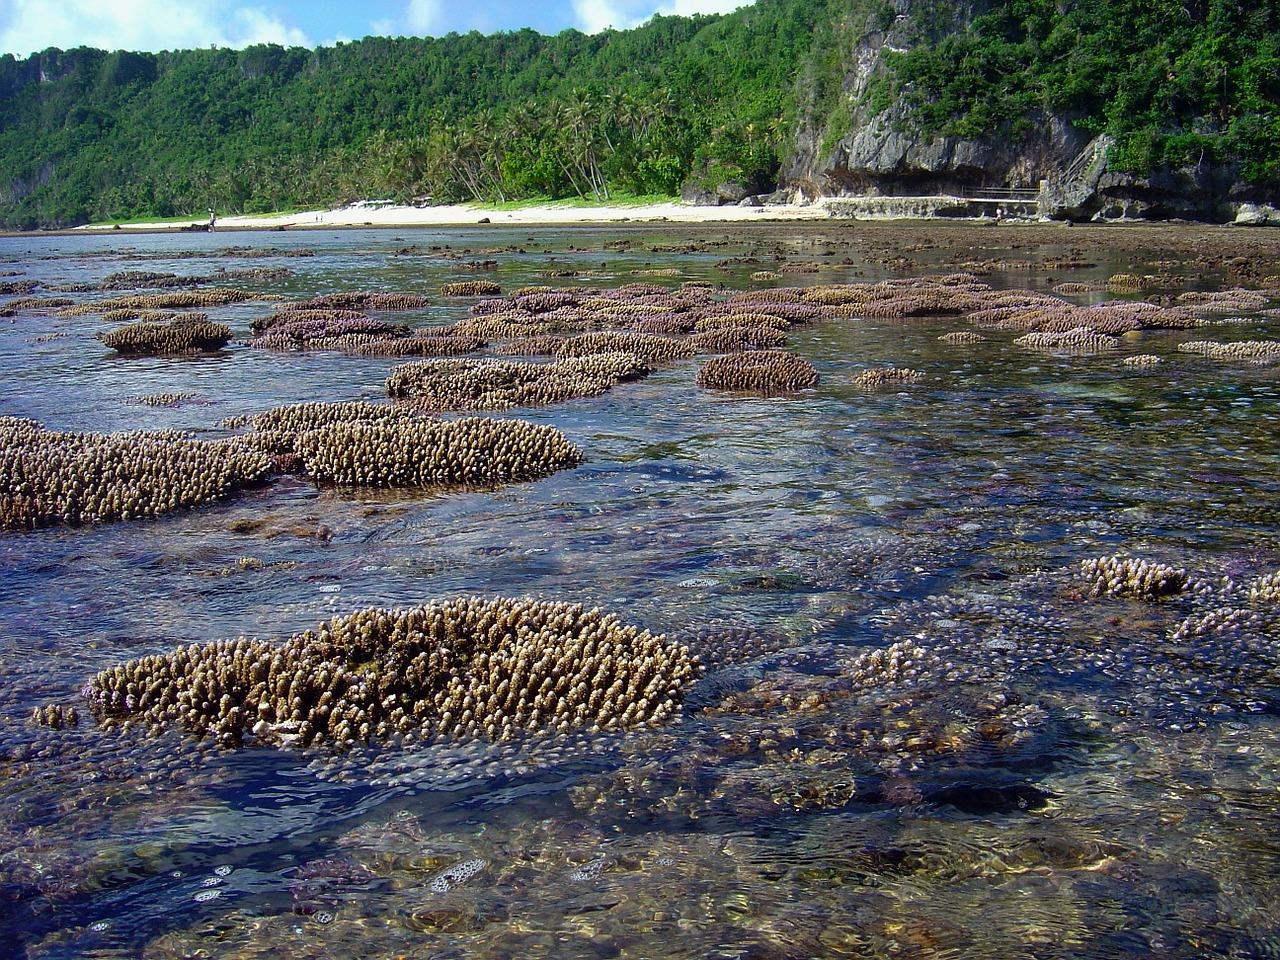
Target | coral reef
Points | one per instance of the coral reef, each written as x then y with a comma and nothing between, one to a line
650,348
76,478
1077,341
277,429
1124,283
1223,301
180,336
740,320
1266,589
163,399
465,667
470,288
125,314
883,376
767,372
419,343
1117,576
426,452
178,299
738,339
36,303
541,345
1072,289
1260,352
455,384
55,716
357,301
300,329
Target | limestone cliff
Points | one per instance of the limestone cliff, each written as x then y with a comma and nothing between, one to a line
861,141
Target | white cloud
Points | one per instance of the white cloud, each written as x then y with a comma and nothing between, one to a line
425,17
687,8
592,16
152,25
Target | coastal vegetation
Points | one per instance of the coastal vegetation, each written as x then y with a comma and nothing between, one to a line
94,135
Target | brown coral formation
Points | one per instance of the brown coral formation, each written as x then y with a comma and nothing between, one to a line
36,303
541,345
275,430
1117,576
741,320
462,668
181,336
1259,352
163,399
470,288
428,342
458,384
1266,589
766,372
125,314
178,299
738,339
885,376
355,301
1078,341
48,477
1224,301
1124,283
651,348
423,452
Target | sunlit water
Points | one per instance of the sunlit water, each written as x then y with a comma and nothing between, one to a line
1069,779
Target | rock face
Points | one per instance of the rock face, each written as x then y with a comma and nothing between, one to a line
862,148
880,155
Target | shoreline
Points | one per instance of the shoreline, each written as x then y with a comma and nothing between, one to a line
466,214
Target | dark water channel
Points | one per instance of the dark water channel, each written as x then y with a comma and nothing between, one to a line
1058,775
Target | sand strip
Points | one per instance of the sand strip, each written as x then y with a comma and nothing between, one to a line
392,215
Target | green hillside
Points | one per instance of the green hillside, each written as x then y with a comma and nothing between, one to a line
1174,81
92,135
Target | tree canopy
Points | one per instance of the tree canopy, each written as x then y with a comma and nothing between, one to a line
94,135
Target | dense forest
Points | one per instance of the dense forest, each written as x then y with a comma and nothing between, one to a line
91,135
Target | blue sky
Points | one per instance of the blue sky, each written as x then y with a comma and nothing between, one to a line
29,26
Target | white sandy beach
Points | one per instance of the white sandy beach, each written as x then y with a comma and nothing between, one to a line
391,215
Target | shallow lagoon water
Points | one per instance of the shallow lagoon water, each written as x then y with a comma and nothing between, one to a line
1060,776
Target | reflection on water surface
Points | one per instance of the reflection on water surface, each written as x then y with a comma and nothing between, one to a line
921,731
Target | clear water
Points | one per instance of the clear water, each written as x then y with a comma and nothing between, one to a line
1063,778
